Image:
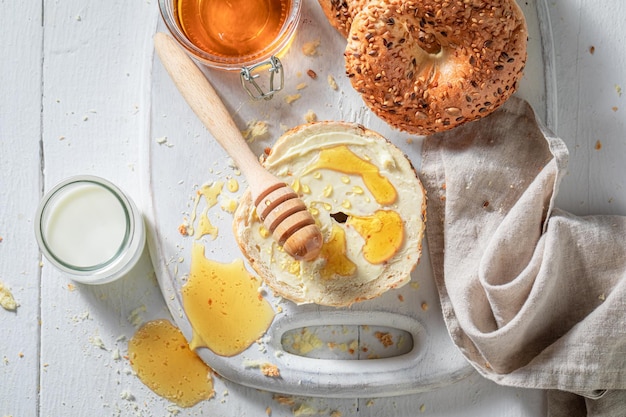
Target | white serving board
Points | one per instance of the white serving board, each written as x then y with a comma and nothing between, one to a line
181,156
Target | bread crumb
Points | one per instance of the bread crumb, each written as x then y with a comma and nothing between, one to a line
267,369
336,413
255,129
268,411
291,98
385,338
229,205
136,318
172,410
353,347
618,89
301,86
598,145
284,400
614,108
422,408
270,370
310,48
332,83
127,395
312,74
6,299
369,403
78,318
305,410
310,116
425,306
97,342
115,354
602,297
183,229
303,342
592,49
224,395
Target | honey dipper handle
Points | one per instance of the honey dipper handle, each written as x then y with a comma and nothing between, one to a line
291,225
206,104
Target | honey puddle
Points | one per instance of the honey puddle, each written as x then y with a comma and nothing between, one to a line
223,305
383,233
334,251
210,194
163,361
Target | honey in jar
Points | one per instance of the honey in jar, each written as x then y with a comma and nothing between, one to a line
232,28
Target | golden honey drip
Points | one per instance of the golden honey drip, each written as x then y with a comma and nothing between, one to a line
383,233
210,194
342,159
233,185
223,305
159,354
205,227
334,251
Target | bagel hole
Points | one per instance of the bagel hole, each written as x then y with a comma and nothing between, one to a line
347,342
428,42
339,217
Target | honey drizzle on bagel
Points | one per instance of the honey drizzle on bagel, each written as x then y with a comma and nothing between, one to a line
429,66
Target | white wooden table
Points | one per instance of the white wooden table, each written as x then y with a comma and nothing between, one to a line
75,99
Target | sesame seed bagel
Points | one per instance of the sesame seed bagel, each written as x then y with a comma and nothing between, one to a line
428,66
368,202
341,12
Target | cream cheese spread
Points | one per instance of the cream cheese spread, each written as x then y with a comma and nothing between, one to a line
342,176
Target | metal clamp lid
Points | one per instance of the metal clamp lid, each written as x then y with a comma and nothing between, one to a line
249,76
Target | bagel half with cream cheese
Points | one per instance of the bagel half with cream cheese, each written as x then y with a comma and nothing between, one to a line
364,194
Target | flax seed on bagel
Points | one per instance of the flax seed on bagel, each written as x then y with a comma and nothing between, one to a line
341,12
428,66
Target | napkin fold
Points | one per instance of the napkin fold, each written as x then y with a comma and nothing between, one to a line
533,296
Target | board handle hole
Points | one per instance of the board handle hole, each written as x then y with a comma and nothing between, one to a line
347,342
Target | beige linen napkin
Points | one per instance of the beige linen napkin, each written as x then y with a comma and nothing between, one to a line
532,296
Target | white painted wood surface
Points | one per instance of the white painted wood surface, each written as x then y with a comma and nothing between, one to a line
75,99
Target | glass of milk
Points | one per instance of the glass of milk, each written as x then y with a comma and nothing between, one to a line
88,228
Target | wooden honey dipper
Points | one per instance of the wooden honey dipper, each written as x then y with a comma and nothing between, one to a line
280,209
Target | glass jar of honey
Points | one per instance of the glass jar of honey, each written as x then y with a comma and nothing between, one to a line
247,36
